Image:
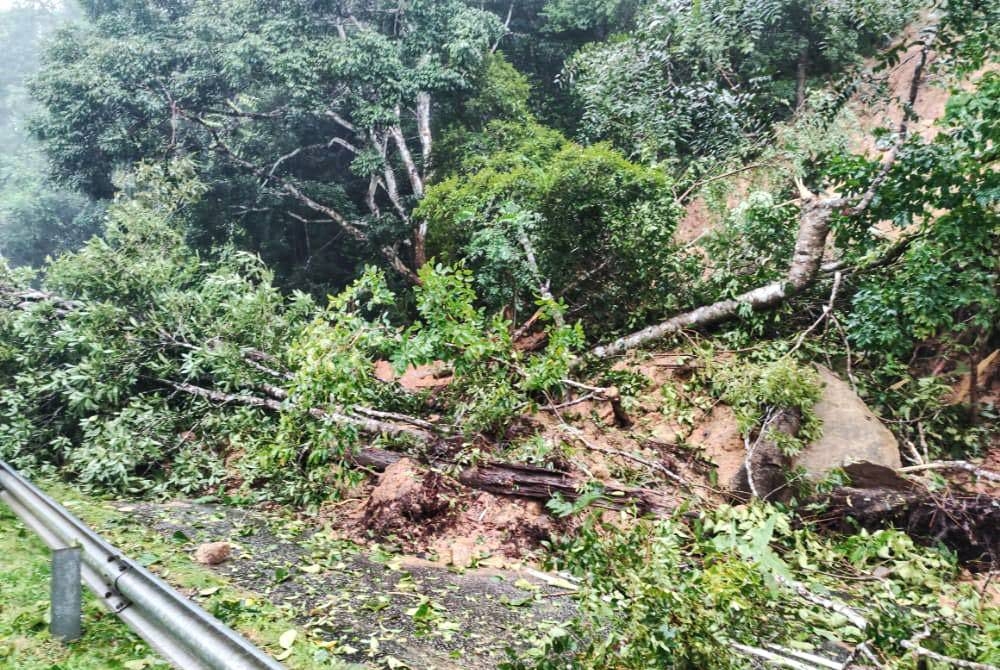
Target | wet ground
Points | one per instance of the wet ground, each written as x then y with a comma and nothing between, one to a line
379,608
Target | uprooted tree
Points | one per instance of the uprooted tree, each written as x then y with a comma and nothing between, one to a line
151,360
139,322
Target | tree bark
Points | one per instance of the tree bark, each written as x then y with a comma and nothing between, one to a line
527,481
800,78
968,524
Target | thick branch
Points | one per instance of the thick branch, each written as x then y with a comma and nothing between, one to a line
423,115
412,172
368,426
291,189
814,225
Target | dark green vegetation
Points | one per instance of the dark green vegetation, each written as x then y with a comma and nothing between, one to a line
296,195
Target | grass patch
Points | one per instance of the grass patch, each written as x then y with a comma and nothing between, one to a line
107,643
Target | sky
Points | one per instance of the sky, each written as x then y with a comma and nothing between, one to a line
10,4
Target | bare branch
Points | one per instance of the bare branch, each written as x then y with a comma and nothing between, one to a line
953,465
416,181
347,125
506,29
956,662
827,310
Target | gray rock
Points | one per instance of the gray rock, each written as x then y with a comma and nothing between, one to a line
851,432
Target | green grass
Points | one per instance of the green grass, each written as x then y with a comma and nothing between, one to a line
107,644
24,639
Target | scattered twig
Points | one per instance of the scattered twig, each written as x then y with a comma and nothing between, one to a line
609,393
956,662
805,656
914,454
953,465
923,440
658,467
772,657
708,180
826,603
569,403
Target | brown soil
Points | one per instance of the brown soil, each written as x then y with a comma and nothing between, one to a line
719,438
427,514
416,378
408,496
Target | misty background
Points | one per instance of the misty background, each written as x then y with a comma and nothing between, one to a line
38,218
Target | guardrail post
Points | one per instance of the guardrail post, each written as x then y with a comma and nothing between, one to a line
66,593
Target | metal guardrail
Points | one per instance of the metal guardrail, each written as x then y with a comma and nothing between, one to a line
185,634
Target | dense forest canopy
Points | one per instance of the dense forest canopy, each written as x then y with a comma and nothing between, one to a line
230,229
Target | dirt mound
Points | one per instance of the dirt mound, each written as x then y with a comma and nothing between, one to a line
425,513
415,378
408,498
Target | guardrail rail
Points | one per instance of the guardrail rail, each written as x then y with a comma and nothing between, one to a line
186,635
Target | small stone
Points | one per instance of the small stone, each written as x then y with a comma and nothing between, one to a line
212,553
462,552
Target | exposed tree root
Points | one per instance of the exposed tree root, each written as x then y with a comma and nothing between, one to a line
528,481
969,525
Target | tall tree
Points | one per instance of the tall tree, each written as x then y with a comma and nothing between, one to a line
319,116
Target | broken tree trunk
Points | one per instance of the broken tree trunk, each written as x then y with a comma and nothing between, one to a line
527,481
814,225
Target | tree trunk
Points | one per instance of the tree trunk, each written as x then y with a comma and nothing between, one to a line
800,78
967,524
528,481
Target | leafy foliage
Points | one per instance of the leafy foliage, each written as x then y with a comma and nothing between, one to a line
663,593
599,226
755,390
700,79
946,192
94,390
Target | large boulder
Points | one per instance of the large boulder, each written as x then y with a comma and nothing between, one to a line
851,432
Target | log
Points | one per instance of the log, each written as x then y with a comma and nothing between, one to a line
528,481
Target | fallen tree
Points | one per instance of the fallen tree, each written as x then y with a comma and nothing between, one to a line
810,244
